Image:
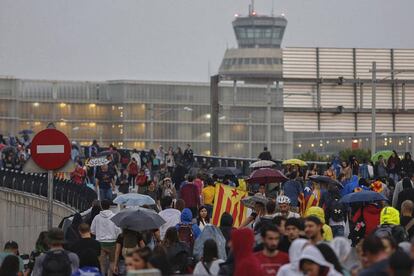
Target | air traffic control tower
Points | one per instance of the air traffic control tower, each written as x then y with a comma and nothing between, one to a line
258,58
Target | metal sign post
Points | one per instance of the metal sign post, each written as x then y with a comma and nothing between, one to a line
49,199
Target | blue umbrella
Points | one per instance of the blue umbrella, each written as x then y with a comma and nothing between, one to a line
364,196
133,199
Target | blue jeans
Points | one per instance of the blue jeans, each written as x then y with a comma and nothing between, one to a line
105,194
338,230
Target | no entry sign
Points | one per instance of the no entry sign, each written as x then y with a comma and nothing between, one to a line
50,149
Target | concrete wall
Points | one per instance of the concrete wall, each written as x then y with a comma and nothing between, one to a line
23,217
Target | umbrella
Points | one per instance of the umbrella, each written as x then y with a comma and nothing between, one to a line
133,199
385,153
138,220
26,132
250,201
223,171
325,180
266,176
298,162
363,196
96,161
262,164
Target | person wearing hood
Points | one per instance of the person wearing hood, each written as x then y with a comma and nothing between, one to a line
106,233
186,218
407,165
295,251
246,264
390,225
406,194
320,214
312,263
72,234
346,254
170,215
399,188
226,226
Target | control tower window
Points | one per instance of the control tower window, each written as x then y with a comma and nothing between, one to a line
268,61
246,60
254,60
261,61
240,61
250,33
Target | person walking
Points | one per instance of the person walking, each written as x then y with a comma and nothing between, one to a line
189,193
265,154
246,264
407,165
376,257
56,261
210,262
86,242
106,233
393,166
270,258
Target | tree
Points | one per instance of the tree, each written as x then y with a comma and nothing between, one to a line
360,154
312,156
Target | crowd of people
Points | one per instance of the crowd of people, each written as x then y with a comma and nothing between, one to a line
298,227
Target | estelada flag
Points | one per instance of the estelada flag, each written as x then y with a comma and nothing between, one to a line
228,199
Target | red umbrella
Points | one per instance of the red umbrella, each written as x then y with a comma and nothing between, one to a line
266,176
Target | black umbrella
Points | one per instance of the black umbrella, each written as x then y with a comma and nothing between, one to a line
223,171
138,220
26,132
325,180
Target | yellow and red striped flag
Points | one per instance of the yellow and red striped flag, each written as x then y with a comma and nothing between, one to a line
228,199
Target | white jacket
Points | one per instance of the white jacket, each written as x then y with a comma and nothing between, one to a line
103,227
312,253
172,218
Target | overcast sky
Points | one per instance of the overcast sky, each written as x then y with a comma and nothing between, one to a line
175,39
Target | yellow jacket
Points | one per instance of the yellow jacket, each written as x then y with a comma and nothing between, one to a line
320,214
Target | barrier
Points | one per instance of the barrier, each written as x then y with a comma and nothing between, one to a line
65,191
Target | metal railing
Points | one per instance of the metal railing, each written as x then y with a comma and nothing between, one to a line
65,191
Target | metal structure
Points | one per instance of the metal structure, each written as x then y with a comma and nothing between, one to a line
330,90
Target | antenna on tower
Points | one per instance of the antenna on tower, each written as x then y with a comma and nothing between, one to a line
251,9
273,8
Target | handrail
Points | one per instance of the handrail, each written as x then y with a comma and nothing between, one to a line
65,191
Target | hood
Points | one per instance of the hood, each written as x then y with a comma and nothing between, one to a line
295,252
390,215
317,212
342,247
106,213
77,220
312,253
242,241
186,216
226,220
407,156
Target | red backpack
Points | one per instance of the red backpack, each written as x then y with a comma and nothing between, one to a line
186,235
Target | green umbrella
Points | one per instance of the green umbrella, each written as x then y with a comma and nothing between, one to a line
385,153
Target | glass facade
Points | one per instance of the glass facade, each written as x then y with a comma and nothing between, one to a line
145,115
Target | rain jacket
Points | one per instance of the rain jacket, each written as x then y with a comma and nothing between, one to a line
186,218
320,214
172,218
103,227
295,252
246,264
313,254
371,217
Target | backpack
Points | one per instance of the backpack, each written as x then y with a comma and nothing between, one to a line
358,232
186,235
56,262
397,232
337,212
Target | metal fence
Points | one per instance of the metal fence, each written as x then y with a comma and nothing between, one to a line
65,191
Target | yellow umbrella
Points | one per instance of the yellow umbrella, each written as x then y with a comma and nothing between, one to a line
298,162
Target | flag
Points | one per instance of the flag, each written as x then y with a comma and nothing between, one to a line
308,198
228,199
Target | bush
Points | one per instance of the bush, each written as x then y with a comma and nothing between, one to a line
312,156
360,154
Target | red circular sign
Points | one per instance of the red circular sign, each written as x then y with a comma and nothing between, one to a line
50,149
